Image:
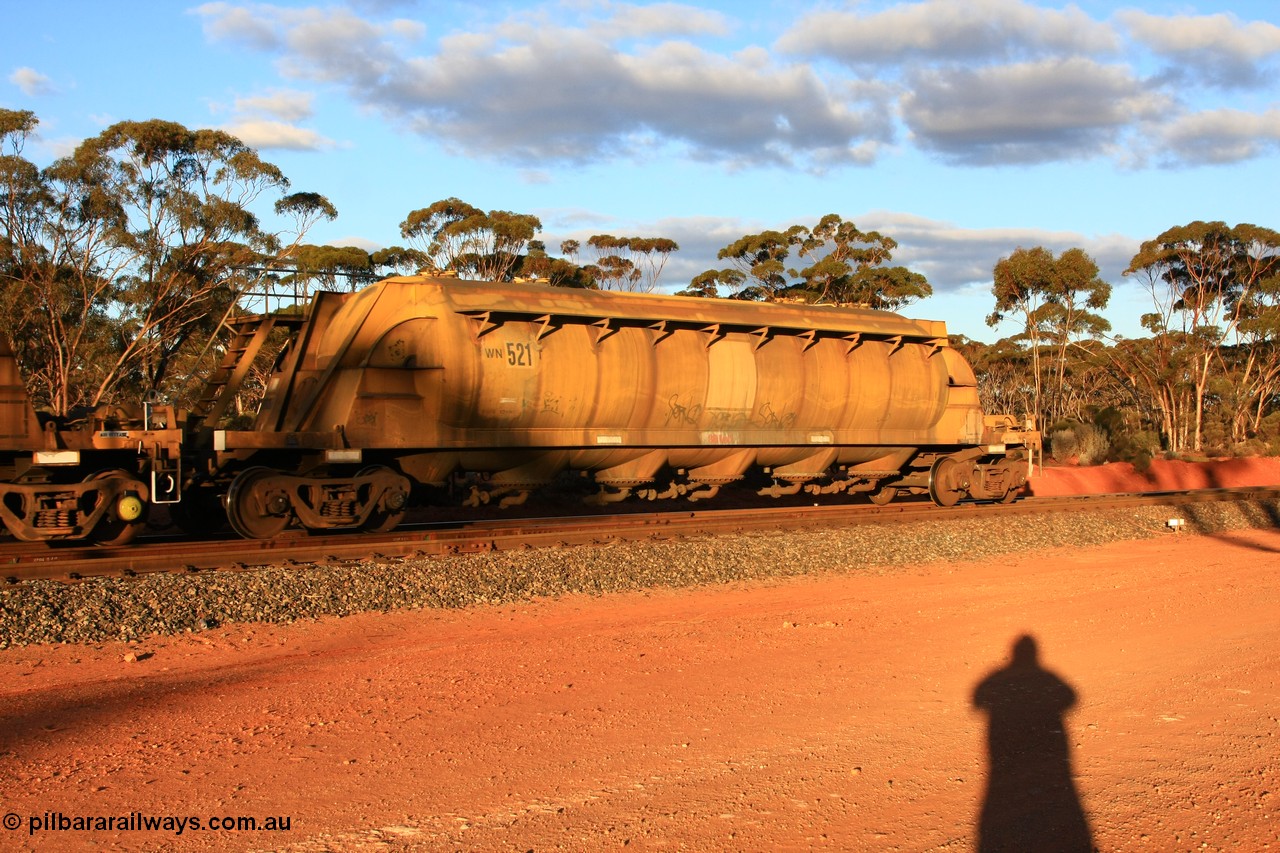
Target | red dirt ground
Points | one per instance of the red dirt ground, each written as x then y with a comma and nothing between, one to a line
1161,476
854,712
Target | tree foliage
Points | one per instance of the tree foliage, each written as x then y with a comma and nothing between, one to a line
456,237
846,266
1205,379
625,263
129,251
1212,286
759,261
557,272
1057,299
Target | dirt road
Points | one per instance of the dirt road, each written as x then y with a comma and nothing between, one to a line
824,713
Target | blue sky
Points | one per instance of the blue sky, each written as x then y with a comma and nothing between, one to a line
961,128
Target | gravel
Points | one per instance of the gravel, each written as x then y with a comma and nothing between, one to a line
132,608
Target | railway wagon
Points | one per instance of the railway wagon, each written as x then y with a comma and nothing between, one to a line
390,394
416,381
91,477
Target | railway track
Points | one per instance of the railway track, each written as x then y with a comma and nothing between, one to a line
31,561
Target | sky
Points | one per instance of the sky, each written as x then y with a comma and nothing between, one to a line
962,129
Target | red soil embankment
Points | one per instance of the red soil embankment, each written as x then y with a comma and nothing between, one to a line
1161,476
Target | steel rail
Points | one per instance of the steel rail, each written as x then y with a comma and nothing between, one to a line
32,561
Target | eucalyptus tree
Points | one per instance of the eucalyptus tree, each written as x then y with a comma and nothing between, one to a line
130,250
455,236
54,309
612,267
650,255
626,263
707,284
1210,283
557,272
1056,299
759,268
846,266
1078,292
1256,359
398,260
332,267
1002,371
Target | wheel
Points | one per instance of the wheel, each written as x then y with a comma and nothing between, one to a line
883,495
1011,496
254,508
124,518
386,517
946,487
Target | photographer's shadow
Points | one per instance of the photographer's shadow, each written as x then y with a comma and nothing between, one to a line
1031,800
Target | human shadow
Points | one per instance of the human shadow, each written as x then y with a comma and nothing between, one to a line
1031,801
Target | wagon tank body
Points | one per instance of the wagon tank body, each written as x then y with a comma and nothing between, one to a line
416,379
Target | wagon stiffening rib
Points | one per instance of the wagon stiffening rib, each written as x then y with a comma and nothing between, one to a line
607,326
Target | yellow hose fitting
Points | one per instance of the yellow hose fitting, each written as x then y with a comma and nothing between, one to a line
129,508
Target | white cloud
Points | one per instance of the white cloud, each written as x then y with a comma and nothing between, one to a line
62,147
1221,136
1029,112
268,134
563,94
407,30
562,219
660,19
1220,49
955,258
32,83
246,25
981,30
369,246
289,106
377,7
583,81
334,45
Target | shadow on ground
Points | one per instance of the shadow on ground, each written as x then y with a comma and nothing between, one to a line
1031,802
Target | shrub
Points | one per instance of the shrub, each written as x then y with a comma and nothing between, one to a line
1094,444
1084,443
1136,448
1062,445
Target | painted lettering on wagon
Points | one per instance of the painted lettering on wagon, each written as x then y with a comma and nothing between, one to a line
512,353
765,417
679,413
